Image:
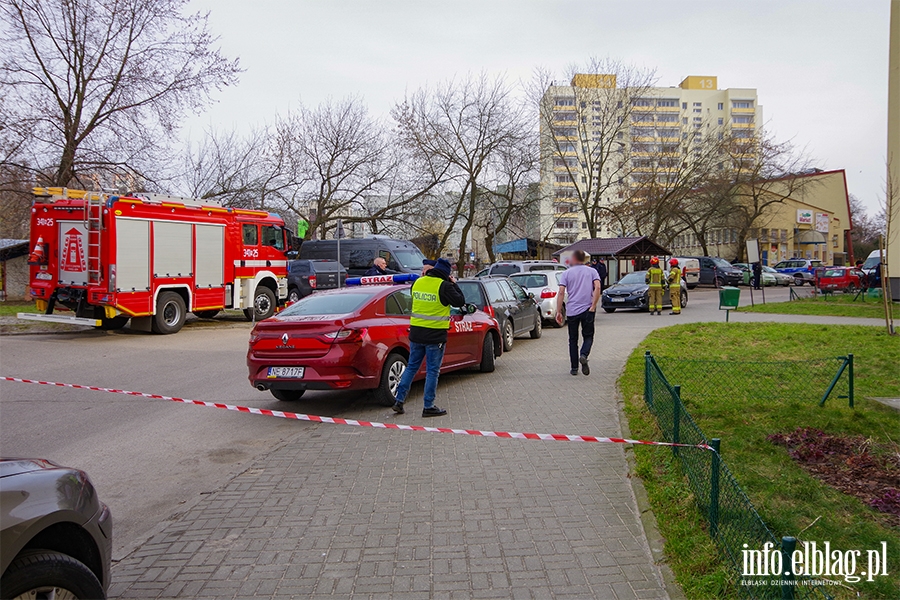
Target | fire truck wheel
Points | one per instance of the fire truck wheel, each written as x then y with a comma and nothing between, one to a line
263,305
170,313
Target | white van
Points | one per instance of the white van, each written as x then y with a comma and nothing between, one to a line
875,257
690,270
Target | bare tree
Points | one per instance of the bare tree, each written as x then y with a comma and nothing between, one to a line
102,84
584,131
471,126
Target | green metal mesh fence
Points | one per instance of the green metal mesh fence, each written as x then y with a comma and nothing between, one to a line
733,521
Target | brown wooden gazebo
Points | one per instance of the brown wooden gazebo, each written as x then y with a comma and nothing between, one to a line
615,251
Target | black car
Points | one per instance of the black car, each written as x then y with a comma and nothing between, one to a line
516,311
718,271
307,276
632,292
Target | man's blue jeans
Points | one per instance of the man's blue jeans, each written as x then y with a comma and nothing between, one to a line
586,321
433,355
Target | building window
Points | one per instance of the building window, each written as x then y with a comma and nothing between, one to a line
666,133
562,179
642,102
684,120
565,193
742,104
564,131
667,118
670,102
742,119
698,110
698,104
566,147
721,121
742,133
834,241
564,116
642,131
565,101
684,105
641,117
584,225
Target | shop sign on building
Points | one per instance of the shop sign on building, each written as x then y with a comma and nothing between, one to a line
804,216
822,222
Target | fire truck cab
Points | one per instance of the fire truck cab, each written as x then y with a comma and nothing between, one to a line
103,259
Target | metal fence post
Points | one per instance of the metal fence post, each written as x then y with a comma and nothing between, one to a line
834,381
648,387
676,416
714,489
850,391
788,544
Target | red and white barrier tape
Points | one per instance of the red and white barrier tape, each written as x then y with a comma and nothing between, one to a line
339,421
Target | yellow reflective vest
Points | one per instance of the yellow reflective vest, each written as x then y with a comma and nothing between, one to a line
427,310
654,277
675,277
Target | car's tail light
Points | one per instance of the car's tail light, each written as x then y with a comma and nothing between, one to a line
312,281
490,310
548,293
343,336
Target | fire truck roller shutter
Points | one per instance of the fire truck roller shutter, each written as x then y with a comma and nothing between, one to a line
172,249
132,254
210,259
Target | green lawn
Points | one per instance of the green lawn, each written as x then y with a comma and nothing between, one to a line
786,497
836,305
9,309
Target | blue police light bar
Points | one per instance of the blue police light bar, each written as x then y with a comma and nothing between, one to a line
382,279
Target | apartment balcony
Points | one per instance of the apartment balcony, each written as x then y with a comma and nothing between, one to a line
743,111
743,125
669,109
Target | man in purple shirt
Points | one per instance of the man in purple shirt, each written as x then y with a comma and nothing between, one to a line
583,285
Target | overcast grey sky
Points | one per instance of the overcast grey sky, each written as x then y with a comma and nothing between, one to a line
820,66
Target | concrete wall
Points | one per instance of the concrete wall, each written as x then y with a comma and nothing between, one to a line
15,280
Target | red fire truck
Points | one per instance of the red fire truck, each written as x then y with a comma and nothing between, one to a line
103,259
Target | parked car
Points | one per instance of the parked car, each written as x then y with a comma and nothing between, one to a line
508,267
780,278
357,338
839,279
306,276
632,292
55,533
875,257
515,310
717,271
802,270
357,255
545,287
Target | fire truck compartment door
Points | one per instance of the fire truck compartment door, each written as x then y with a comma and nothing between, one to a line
210,259
172,249
73,248
132,254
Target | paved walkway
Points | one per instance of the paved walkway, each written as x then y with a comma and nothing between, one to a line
343,511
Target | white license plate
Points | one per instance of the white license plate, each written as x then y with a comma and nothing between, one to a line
617,299
43,276
285,373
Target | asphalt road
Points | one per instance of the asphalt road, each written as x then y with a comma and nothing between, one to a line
152,459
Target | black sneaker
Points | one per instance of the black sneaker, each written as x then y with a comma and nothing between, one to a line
573,372
434,411
584,365
398,408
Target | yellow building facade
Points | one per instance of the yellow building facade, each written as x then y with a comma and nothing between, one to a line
810,219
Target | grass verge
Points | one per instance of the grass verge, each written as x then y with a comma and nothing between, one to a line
837,305
789,500
9,309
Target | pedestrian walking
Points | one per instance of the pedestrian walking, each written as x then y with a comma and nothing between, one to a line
600,266
757,275
675,286
582,283
432,296
656,278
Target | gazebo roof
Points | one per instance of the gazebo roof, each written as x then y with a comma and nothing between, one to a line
622,247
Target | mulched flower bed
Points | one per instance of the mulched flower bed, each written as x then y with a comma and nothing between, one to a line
854,465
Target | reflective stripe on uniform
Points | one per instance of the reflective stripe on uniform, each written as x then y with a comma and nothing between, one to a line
430,317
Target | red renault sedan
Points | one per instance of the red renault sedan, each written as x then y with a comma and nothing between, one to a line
357,338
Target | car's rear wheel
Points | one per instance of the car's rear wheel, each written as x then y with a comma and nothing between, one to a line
288,395
487,354
509,335
386,392
46,574
684,298
720,282
293,294
170,313
538,327
609,310
798,281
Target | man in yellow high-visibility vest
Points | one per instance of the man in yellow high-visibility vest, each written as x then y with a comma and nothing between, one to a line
675,286
655,278
432,296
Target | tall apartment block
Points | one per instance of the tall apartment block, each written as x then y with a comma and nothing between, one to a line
634,126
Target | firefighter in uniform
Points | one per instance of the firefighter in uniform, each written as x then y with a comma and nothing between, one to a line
675,286
432,296
656,278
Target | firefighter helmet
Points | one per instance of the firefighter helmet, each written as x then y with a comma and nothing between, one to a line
673,262
654,260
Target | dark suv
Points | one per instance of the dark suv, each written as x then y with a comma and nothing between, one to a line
307,276
515,310
718,271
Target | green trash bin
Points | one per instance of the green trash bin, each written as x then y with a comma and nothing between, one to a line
729,298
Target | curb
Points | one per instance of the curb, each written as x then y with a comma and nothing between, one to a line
655,540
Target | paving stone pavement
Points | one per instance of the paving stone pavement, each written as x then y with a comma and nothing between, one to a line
341,511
